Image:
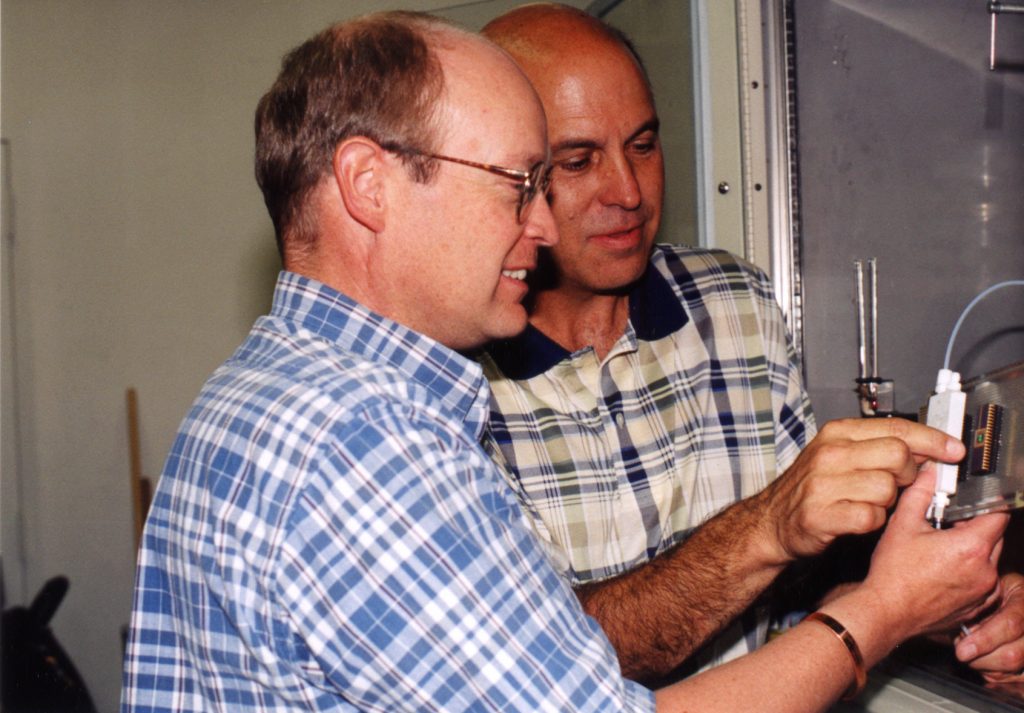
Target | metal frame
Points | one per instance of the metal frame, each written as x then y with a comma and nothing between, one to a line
783,183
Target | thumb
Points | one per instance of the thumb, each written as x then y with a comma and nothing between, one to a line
916,498
925,479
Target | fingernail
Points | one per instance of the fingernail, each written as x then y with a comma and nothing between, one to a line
966,652
954,448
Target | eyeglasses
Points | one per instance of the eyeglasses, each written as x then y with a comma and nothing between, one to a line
531,183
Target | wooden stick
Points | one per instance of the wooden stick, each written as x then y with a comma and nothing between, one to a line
139,483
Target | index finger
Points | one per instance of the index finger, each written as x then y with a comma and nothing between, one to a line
924,442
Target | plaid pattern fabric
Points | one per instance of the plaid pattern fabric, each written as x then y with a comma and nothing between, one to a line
327,534
698,405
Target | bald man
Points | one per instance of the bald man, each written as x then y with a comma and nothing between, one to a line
655,389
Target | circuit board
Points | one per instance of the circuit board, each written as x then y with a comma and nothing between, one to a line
991,475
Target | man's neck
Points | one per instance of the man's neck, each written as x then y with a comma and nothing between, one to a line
577,320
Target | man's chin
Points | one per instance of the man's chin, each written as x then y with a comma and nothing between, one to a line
621,278
511,323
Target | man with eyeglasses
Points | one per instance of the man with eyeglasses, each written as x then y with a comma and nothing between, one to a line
328,533
655,388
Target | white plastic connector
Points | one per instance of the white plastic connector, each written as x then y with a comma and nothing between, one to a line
946,413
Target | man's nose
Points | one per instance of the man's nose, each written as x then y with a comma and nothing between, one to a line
619,184
540,222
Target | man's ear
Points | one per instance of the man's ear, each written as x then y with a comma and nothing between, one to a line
360,168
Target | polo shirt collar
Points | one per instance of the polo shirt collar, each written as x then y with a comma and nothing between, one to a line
655,311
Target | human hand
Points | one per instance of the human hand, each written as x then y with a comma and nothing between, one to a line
933,580
995,645
845,480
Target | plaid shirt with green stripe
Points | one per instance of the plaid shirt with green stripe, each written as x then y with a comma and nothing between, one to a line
699,404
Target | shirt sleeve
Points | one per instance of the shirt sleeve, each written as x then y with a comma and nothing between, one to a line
409,580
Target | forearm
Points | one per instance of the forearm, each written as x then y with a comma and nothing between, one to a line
920,579
804,670
658,615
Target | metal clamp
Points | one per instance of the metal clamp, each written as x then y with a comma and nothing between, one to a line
876,395
996,8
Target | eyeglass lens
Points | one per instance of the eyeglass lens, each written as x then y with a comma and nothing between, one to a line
538,181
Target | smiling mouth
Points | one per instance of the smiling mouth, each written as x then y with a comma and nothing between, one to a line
514,274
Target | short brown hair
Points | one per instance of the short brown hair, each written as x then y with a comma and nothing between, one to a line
376,77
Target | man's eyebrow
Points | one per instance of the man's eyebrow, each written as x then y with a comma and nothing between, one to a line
569,144
650,125
573,143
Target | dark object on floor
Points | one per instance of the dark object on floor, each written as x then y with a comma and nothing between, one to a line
38,675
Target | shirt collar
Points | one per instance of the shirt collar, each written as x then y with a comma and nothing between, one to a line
452,378
655,311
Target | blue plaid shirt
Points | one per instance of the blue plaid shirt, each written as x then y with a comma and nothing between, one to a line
327,534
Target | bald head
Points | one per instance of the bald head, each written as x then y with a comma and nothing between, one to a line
607,182
544,35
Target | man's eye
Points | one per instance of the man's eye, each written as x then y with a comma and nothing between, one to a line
574,164
645,147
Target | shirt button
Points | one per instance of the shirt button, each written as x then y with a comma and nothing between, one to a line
620,420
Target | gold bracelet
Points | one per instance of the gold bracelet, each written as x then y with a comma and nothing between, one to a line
860,675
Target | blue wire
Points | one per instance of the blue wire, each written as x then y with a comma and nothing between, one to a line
969,307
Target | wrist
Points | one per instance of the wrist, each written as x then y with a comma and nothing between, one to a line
767,543
873,623
860,674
